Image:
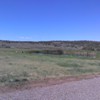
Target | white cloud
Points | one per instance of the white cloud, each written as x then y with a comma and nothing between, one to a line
25,37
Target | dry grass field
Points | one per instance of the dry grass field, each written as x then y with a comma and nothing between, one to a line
18,67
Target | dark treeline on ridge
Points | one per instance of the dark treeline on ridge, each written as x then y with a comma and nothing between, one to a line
64,45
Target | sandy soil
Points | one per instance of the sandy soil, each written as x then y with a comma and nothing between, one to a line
45,83
75,90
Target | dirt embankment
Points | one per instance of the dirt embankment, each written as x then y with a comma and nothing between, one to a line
44,83
75,90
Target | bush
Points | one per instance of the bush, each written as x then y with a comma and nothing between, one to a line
55,52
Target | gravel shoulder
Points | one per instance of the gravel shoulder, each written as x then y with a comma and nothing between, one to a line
75,90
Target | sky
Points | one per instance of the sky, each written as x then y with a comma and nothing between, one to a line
46,20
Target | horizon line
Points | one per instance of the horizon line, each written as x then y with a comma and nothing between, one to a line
48,40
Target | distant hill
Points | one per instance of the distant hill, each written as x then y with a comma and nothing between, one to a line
66,45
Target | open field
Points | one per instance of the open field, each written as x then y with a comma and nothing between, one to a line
18,67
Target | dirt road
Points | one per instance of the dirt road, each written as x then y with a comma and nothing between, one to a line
76,90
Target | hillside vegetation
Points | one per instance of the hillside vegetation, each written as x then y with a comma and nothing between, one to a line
64,45
18,67
21,62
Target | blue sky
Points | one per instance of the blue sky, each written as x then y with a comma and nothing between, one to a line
42,20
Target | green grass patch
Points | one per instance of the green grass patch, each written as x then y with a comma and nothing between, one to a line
18,67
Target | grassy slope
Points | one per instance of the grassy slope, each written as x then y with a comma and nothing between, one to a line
20,67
